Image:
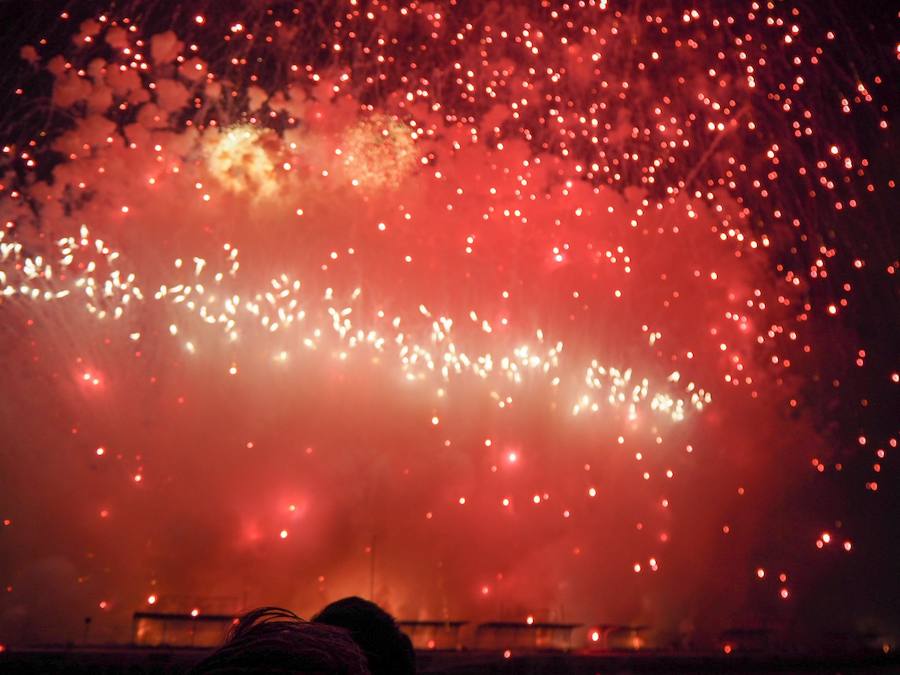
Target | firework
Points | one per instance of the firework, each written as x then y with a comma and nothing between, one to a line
551,301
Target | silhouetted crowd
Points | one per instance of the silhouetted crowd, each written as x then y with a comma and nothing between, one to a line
348,637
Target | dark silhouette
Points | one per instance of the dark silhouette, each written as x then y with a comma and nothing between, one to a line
387,649
275,640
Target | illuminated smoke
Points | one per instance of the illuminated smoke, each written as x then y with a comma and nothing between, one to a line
532,299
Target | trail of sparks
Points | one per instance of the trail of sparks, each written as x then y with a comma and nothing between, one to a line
284,308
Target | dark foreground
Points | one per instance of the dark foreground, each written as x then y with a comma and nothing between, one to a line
170,661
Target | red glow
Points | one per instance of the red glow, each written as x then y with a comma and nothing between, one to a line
588,288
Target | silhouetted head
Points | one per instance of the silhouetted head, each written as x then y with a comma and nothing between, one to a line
387,649
275,640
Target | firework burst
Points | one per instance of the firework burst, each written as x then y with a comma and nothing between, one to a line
548,299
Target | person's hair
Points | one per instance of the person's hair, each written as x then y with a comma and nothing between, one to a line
275,640
387,648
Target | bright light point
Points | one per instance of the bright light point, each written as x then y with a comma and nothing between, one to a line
195,612
529,619
283,534
462,501
512,457
595,636
592,492
151,599
100,452
760,572
240,160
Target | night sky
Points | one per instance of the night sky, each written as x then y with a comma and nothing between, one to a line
582,312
